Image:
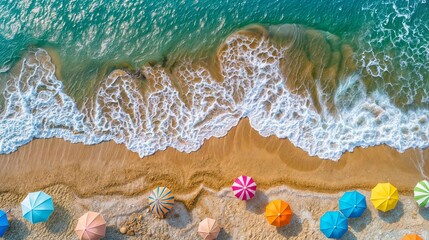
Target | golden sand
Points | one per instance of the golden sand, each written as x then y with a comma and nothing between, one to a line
109,178
109,168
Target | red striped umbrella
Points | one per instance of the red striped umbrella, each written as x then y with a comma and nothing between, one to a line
244,187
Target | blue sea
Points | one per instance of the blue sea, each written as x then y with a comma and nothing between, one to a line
328,75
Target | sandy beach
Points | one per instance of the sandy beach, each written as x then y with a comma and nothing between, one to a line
106,104
115,181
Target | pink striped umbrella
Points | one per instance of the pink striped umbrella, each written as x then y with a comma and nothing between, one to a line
244,187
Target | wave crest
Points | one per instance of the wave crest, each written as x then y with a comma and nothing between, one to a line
182,105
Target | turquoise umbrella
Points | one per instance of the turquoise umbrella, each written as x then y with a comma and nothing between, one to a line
37,207
4,223
333,224
352,204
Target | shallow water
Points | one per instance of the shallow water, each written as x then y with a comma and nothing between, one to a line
328,75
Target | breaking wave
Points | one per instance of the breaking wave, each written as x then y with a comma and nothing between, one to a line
180,106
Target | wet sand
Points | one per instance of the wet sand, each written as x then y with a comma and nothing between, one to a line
109,168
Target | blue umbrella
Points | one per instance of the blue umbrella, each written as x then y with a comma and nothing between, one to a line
4,223
333,224
352,204
37,207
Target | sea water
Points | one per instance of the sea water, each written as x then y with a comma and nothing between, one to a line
328,75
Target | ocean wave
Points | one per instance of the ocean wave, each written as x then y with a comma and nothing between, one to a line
184,105
394,49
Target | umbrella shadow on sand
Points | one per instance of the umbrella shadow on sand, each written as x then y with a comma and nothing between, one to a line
349,236
293,229
18,230
113,233
223,235
178,217
394,215
258,203
360,223
59,220
424,212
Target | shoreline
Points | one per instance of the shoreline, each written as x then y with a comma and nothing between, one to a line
184,96
114,181
108,168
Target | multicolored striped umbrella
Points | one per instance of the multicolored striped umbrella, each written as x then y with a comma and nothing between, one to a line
91,226
244,187
4,223
421,193
161,200
412,237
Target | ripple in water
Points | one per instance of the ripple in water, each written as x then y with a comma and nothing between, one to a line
182,105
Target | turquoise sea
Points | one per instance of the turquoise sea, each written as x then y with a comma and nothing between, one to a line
353,72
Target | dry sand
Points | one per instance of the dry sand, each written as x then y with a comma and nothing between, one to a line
239,219
109,178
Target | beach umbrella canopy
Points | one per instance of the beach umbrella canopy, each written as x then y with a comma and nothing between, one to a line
91,226
384,197
352,204
4,223
278,213
161,201
333,224
421,193
208,229
37,207
412,237
244,187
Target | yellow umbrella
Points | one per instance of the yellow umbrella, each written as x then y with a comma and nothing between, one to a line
384,196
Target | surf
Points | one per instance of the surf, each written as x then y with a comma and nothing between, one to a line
181,105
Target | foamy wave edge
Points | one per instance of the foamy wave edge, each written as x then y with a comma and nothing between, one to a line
36,106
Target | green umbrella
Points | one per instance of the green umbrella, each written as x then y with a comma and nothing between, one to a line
421,193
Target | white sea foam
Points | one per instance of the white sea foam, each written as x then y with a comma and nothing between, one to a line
37,107
253,86
395,49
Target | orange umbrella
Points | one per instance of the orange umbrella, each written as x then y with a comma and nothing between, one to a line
278,213
91,226
412,237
